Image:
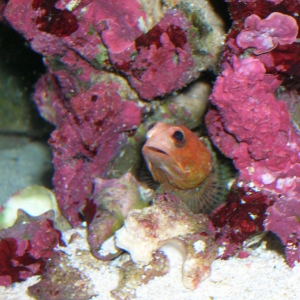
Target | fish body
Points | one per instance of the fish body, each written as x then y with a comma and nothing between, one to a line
184,165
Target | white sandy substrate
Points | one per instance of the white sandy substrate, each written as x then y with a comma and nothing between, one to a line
263,275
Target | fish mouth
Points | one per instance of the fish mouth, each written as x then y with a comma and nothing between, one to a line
158,156
157,150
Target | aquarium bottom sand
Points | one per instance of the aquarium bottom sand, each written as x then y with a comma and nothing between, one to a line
263,275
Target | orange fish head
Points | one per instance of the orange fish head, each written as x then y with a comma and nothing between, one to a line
175,156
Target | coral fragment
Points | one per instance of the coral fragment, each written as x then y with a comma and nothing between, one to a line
169,221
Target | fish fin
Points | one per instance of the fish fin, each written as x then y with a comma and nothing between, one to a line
214,189
146,177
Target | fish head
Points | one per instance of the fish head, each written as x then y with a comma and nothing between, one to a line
176,156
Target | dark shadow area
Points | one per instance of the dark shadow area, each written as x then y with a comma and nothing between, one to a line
222,9
274,243
20,68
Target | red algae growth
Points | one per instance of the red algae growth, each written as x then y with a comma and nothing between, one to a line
53,20
240,218
83,144
253,121
26,247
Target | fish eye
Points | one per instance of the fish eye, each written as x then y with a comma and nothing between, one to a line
178,136
151,126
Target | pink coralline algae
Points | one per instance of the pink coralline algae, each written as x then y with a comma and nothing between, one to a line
284,221
26,247
163,60
265,35
92,132
254,128
283,60
254,120
260,125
